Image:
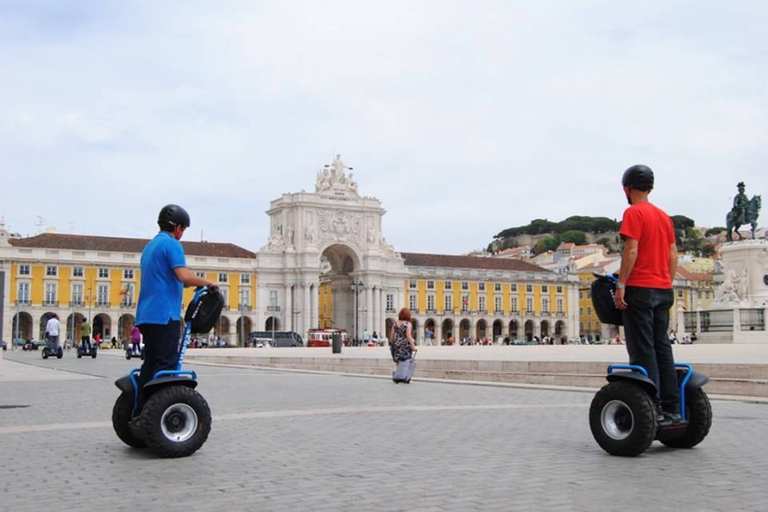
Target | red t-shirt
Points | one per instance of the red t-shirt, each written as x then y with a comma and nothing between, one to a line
655,233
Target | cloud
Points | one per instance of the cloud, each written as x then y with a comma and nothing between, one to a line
463,119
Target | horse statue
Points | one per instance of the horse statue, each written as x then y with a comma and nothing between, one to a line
733,220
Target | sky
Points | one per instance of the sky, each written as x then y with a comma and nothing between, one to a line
463,118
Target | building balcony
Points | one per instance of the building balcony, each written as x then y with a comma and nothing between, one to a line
245,308
23,302
51,303
274,309
126,305
482,311
103,304
431,311
546,313
391,310
75,303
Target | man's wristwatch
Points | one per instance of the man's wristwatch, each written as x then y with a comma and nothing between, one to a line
620,285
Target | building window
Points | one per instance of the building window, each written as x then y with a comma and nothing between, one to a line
581,311
512,287
430,285
497,304
529,305
50,294
390,302
126,295
589,310
481,303
449,285
464,303
513,304
102,295
273,299
51,271
23,270
223,278
559,306
412,284
544,288
431,303
200,274
580,294
529,288
23,295
680,294
412,302
77,271
448,303
545,305
559,289
481,287
245,278
128,273
464,286
497,287
103,273
245,297
77,294
225,295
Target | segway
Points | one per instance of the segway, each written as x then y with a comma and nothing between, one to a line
623,417
91,350
175,420
51,349
129,353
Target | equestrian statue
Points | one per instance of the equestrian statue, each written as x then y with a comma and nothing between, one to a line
745,211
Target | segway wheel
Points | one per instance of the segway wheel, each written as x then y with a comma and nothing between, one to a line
699,414
142,354
622,419
93,352
59,353
79,352
45,352
176,421
128,355
121,415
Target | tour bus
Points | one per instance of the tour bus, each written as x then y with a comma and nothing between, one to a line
276,338
323,337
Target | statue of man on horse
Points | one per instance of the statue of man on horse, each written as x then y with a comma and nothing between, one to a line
745,211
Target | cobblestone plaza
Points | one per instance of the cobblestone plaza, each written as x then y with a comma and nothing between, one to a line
299,441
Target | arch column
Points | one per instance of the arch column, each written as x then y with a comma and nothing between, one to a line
369,308
306,314
375,313
288,313
314,298
382,311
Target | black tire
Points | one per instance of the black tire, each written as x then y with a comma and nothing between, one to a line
176,421
79,352
94,350
121,415
127,355
45,353
59,353
622,419
699,414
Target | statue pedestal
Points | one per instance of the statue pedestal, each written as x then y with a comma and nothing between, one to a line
747,261
740,310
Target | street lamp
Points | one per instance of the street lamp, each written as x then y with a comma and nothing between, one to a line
355,287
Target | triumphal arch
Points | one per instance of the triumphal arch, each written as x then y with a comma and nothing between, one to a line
332,235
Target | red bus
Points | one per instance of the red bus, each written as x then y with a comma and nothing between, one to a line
323,337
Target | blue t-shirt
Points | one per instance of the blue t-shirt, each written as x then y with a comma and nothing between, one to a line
160,294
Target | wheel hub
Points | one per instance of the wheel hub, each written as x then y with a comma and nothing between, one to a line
179,422
617,420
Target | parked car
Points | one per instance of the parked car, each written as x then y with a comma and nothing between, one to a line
276,338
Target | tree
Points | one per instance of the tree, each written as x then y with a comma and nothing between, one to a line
682,222
714,231
575,236
546,244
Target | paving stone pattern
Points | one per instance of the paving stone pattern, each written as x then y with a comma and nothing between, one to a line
310,442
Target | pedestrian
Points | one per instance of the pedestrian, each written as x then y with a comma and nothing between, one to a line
114,342
52,329
644,289
136,340
164,274
403,347
429,337
85,335
97,339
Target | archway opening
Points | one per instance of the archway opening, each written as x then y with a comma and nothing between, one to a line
544,328
243,327
124,326
21,327
464,327
44,320
498,327
529,330
513,328
221,329
72,327
339,264
272,324
388,326
429,330
481,329
415,330
560,328
102,325
448,330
